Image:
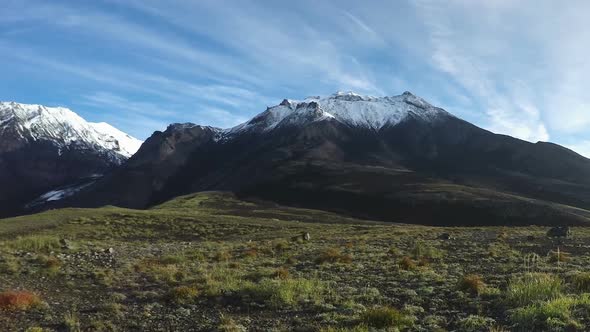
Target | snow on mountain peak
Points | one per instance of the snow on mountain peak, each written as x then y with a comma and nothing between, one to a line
62,127
128,145
346,107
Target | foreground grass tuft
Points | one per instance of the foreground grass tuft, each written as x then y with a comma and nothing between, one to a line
533,287
289,292
472,283
386,317
35,243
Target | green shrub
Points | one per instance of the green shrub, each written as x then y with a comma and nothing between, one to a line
183,294
172,259
289,292
9,265
424,251
333,255
553,315
72,322
35,243
581,281
533,287
222,256
474,323
386,317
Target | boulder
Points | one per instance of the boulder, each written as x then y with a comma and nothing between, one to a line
559,231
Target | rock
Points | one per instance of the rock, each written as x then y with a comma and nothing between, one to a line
306,236
559,231
65,244
110,251
445,236
302,237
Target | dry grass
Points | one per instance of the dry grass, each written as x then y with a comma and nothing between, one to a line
19,300
407,263
472,283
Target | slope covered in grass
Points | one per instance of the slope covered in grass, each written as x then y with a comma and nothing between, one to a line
210,261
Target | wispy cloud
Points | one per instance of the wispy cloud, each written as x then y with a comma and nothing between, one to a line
513,67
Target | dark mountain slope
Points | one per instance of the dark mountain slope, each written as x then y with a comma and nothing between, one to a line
134,183
394,158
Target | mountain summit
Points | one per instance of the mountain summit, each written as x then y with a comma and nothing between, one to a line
44,148
348,108
21,124
393,158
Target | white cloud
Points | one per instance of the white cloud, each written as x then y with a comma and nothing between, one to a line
514,67
474,58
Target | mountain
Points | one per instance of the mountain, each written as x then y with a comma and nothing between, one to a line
390,158
44,148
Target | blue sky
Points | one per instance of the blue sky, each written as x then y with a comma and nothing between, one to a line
513,67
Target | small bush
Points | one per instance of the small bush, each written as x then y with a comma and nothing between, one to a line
386,317
72,322
9,265
36,243
559,256
333,255
51,263
282,273
289,292
472,283
35,329
228,324
533,287
155,270
424,251
281,245
172,260
250,253
406,263
183,294
474,323
19,300
581,281
222,256
553,315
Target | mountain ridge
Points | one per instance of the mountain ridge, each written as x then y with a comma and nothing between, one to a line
45,148
384,158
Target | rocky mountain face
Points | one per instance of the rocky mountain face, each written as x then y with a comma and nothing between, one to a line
391,158
135,183
43,148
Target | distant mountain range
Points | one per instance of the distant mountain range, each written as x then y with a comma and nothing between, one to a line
390,158
44,148
396,159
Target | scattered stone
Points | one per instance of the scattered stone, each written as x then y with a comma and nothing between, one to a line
65,244
306,236
110,251
559,231
446,236
302,237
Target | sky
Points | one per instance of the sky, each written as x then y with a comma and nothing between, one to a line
519,68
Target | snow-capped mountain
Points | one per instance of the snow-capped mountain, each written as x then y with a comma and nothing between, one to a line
127,145
44,148
384,158
61,127
348,108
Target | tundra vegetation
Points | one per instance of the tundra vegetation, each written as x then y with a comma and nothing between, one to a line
209,261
